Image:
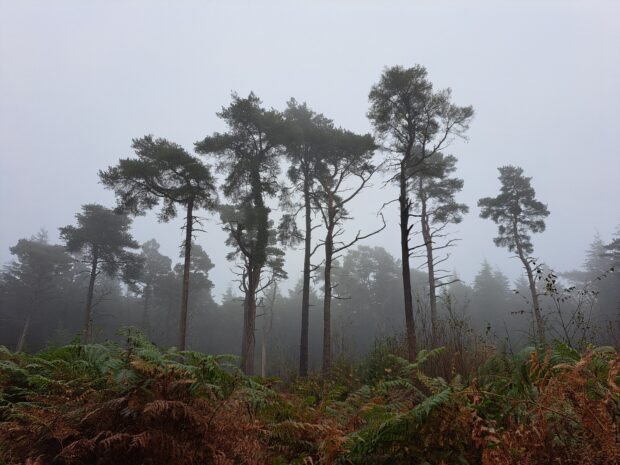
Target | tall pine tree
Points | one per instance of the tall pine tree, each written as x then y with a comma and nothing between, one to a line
249,156
416,124
518,213
165,173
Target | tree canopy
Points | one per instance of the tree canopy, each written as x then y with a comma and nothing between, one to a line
104,236
516,210
165,172
162,172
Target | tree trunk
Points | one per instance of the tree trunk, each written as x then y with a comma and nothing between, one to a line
146,323
22,337
88,321
263,358
540,324
254,268
249,321
267,326
327,300
186,269
404,205
305,296
428,243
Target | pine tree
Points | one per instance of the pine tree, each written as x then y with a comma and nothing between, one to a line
164,172
305,149
101,239
518,214
416,123
249,156
34,275
490,298
434,190
156,266
346,170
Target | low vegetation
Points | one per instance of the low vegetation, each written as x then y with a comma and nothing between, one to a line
135,403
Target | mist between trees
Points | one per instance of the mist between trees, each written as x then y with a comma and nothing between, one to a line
351,295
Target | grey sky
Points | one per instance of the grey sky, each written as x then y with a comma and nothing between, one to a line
79,80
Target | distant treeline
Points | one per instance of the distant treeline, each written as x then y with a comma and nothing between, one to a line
490,311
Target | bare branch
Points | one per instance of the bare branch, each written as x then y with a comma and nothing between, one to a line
359,236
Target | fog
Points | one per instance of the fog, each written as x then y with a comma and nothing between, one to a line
79,81
447,290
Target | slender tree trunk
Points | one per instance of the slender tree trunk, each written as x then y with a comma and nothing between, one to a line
22,337
327,300
540,324
428,243
404,205
263,351
263,357
244,337
146,321
248,342
305,297
189,223
88,322
267,326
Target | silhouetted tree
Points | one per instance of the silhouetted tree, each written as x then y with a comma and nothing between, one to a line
267,326
490,299
346,170
613,250
369,285
156,266
598,262
201,300
101,239
416,123
249,155
164,172
517,213
304,148
34,276
200,265
598,280
436,207
459,295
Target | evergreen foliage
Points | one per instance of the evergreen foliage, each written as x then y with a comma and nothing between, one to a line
164,172
101,240
518,213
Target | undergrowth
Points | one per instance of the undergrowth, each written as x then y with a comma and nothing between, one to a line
137,404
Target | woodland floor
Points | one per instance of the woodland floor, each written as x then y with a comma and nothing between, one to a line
137,404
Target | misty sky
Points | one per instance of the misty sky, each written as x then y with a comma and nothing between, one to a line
79,80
